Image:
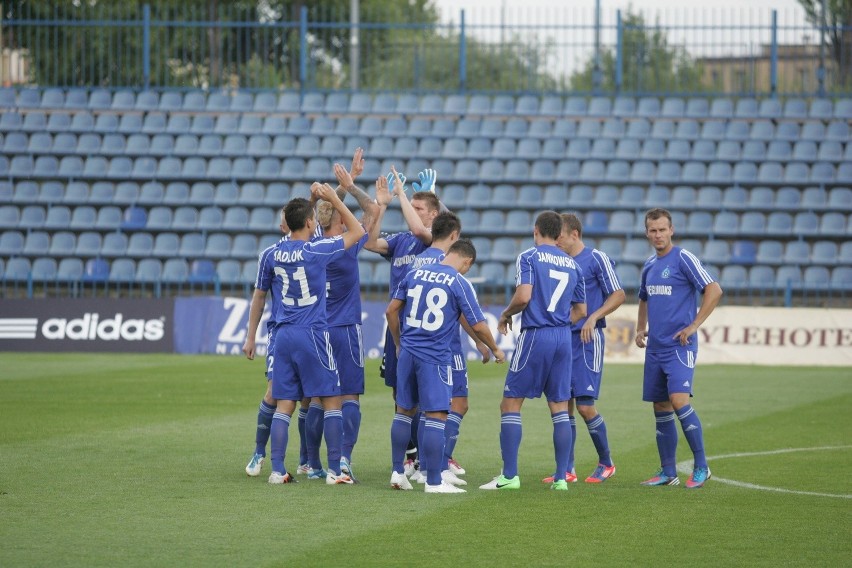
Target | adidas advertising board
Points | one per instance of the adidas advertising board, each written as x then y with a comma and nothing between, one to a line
87,325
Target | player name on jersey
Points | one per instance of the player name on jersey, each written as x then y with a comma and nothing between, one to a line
563,261
288,256
404,260
437,277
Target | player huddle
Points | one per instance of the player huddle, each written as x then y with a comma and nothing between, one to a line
564,290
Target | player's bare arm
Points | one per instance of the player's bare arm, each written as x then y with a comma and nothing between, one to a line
642,325
709,300
258,300
612,302
383,199
578,312
392,315
519,301
484,334
415,224
480,346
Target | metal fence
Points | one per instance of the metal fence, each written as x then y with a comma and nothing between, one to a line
248,46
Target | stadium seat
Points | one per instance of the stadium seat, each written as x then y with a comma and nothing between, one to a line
122,270
140,245
833,224
734,277
114,245
89,244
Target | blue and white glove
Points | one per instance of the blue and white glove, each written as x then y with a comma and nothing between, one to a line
428,178
392,180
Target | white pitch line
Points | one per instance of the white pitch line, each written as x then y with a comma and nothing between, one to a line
686,467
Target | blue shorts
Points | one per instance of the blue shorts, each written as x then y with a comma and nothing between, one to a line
349,353
668,372
304,364
587,365
459,375
270,355
388,368
541,364
423,384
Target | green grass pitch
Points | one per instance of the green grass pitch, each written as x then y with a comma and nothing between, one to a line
110,460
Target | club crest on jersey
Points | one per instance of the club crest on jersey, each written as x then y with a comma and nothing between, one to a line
666,272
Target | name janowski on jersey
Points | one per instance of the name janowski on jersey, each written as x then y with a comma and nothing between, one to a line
563,261
91,327
659,290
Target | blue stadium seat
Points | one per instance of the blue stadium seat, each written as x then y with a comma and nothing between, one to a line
148,271
717,252
492,220
565,128
44,270
579,148
779,224
753,223
114,245
589,128
175,270
89,244
11,243
210,218
653,149
244,246
699,223
140,245
96,270
163,245
123,100
841,278
134,219
769,252
726,223
36,243
504,249
833,224
259,145
743,252
32,217
555,196
621,223
62,244
122,270
217,245
734,277
788,276
636,251
628,149
595,222
688,129
17,270
761,277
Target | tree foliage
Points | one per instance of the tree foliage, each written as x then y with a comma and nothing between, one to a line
649,63
257,44
838,20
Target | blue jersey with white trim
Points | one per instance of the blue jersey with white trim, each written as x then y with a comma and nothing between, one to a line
344,287
434,255
264,278
669,284
600,280
298,286
402,249
435,296
557,282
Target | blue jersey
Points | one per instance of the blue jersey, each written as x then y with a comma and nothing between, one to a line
298,287
669,284
264,278
402,248
435,296
557,282
434,255
600,280
344,287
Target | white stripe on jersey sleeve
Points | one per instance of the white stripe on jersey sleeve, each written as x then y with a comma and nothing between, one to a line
696,267
610,278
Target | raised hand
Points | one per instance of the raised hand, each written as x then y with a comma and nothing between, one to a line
428,179
344,178
397,180
357,167
383,196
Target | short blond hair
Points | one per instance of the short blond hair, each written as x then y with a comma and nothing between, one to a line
325,212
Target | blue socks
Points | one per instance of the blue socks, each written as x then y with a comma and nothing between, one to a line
333,429
691,426
264,423
563,445
278,447
510,441
303,447
451,436
667,441
433,448
400,436
573,442
313,434
420,420
597,430
351,426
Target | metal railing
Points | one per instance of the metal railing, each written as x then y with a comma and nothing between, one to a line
242,45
